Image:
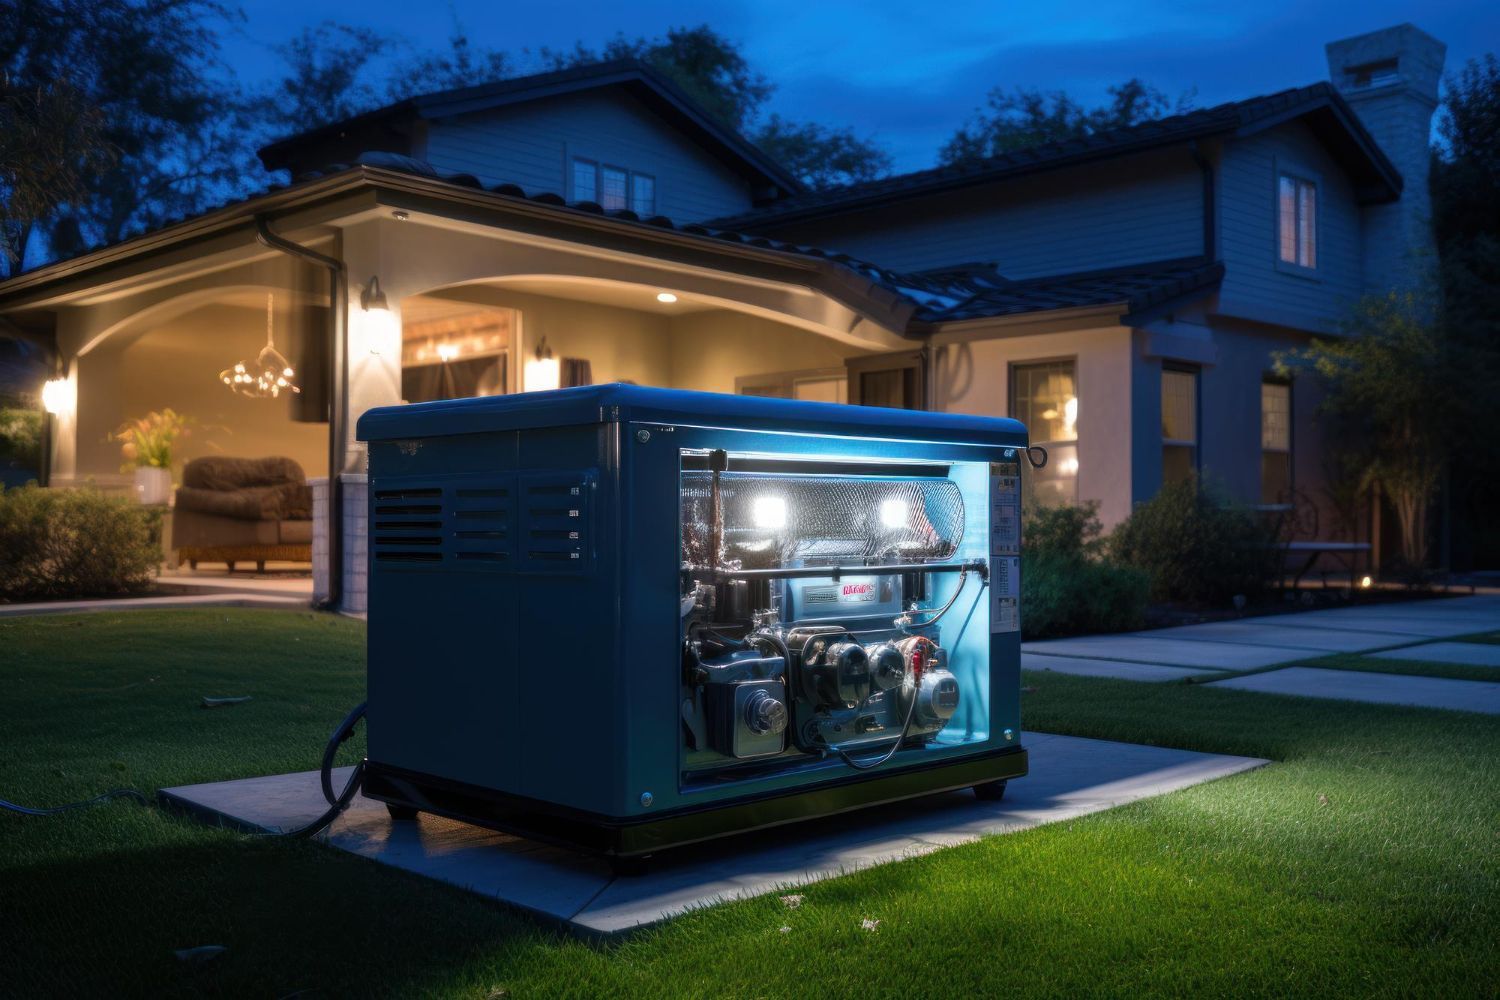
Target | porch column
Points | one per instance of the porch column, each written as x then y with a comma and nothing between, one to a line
373,379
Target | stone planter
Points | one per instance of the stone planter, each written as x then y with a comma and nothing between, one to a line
153,486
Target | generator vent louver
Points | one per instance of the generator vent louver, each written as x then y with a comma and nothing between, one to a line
531,523
407,525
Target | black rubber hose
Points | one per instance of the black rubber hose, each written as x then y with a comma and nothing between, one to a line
336,803
116,793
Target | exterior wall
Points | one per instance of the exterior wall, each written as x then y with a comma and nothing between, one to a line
1123,211
973,376
711,349
1257,285
176,364
533,144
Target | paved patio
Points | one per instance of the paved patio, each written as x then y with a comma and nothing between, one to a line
1069,777
1212,653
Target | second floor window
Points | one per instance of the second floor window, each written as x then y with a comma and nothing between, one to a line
1297,221
614,188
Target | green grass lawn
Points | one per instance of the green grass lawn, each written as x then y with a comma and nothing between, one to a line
1364,862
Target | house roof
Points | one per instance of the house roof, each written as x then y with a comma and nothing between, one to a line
633,75
1137,287
959,292
1376,179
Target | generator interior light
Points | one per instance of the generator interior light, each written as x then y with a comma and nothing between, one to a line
1068,466
893,512
769,512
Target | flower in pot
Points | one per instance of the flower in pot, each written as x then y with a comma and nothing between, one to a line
146,446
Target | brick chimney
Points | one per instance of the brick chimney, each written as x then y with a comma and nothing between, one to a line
1390,77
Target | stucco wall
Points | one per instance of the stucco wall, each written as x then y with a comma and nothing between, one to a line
710,349
973,376
177,364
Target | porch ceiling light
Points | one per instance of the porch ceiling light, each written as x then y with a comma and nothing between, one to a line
382,334
270,374
542,369
59,396
666,297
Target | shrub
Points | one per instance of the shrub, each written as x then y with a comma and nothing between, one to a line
20,440
1199,547
73,543
1068,585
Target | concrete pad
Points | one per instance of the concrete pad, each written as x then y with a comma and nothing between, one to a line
1069,777
1388,689
1144,647
162,603
1270,632
1475,654
1118,669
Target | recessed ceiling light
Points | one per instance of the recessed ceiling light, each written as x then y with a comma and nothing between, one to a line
400,215
666,297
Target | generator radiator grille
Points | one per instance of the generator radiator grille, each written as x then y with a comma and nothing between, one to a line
528,522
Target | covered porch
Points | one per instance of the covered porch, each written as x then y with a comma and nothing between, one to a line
402,291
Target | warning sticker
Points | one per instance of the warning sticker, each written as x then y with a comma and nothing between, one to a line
1005,546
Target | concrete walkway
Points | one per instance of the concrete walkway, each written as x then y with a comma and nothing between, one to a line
1212,653
1069,777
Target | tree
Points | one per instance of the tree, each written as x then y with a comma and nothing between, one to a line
710,68
822,157
461,66
1396,396
150,69
1015,119
52,146
326,79
1466,229
714,72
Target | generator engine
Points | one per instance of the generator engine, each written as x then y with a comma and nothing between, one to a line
786,651
761,610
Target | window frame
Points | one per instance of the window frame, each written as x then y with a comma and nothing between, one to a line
1012,369
599,165
786,382
1298,174
914,362
1196,444
1270,378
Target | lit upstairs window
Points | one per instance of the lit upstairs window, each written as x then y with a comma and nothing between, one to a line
1297,221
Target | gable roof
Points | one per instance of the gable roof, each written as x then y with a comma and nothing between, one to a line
915,299
634,76
1375,178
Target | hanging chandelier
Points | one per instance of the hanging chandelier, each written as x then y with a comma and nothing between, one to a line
269,375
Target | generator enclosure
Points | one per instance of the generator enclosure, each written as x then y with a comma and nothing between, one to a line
626,618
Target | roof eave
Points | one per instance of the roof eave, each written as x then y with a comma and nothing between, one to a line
397,189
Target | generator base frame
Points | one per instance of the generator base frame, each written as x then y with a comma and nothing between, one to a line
642,836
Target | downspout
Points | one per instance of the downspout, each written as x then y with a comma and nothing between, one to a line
1210,236
338,282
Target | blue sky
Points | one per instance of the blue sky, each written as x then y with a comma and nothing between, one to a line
908,74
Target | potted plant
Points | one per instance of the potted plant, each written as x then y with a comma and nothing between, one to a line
146,445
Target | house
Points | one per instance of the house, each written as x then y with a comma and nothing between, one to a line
1122,294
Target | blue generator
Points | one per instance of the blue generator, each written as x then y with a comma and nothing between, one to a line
626,619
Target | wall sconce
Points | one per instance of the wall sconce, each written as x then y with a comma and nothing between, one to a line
382,332
542,370
59,396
